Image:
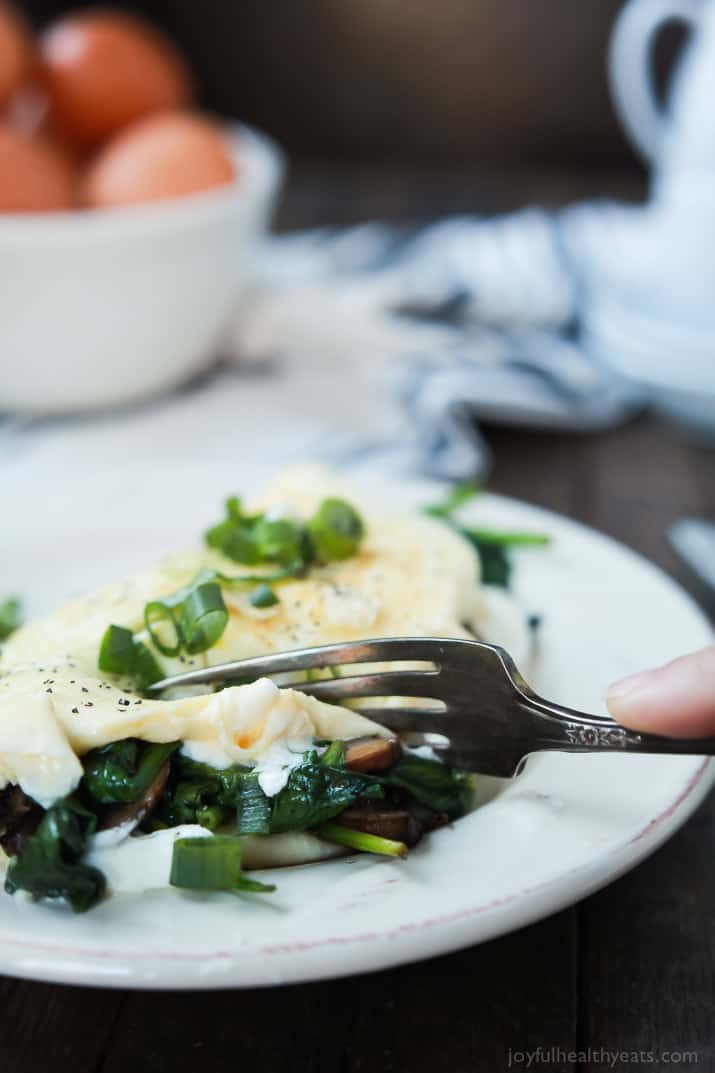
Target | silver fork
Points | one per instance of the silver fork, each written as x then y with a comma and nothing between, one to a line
469,702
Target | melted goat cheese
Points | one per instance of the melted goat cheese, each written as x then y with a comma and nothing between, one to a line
275,765
141,862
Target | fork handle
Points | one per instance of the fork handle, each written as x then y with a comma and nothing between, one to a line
566,730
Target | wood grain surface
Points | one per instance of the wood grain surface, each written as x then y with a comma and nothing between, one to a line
631,969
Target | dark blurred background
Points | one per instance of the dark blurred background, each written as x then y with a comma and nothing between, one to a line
449,83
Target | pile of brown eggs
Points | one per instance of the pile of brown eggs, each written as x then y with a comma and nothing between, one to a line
98,112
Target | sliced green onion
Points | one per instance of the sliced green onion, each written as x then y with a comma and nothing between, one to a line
204,617
334,755
278,540
336,530
501,539
179,597
263,596
163,628
212,863
455,498
233,508
146,669
256,538
292,570
253,814
210,816
120,653
345,836
10,617
116,652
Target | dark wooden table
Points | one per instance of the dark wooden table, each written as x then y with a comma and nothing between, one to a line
631,969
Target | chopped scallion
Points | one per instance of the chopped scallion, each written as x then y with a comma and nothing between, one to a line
10,617
336,530
345,836
460,494
334,755
204,617
163,628
263,596
212,863
120,653
501,539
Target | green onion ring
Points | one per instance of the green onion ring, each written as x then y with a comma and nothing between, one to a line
204,617
156,613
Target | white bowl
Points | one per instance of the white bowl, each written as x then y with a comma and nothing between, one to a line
101,308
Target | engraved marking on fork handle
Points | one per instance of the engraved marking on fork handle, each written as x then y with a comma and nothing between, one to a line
600,737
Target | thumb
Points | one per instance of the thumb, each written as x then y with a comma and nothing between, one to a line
677,700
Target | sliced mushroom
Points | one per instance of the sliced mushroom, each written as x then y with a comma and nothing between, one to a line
143,806
434,822
20,817
372,754
396,824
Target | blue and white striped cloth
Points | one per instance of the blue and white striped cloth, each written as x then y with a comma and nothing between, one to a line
468,320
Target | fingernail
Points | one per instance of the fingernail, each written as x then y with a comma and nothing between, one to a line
630,686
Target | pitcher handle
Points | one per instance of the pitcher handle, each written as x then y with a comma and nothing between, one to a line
629,66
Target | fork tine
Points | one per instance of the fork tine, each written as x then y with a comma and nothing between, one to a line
382,684
399,719
304,659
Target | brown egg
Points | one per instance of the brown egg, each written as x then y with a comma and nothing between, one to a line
165,156
16,52
34,176
104,70
28,111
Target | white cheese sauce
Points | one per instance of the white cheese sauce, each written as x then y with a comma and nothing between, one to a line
139,863
274,767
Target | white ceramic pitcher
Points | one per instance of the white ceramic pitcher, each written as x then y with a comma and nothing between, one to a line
650,309
678,139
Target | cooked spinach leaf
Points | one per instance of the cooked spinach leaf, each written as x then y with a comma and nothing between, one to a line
431,784
316,793
198,793
120,773
494,559
50,866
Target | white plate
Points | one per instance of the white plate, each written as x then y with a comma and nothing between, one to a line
567,826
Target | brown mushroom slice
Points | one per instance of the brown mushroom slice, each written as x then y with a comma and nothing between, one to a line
434,822
372,754
396,824
143,806
20,817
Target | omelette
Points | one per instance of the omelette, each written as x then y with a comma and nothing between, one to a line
106,787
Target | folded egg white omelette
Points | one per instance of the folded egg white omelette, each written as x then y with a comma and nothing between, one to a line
412,575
